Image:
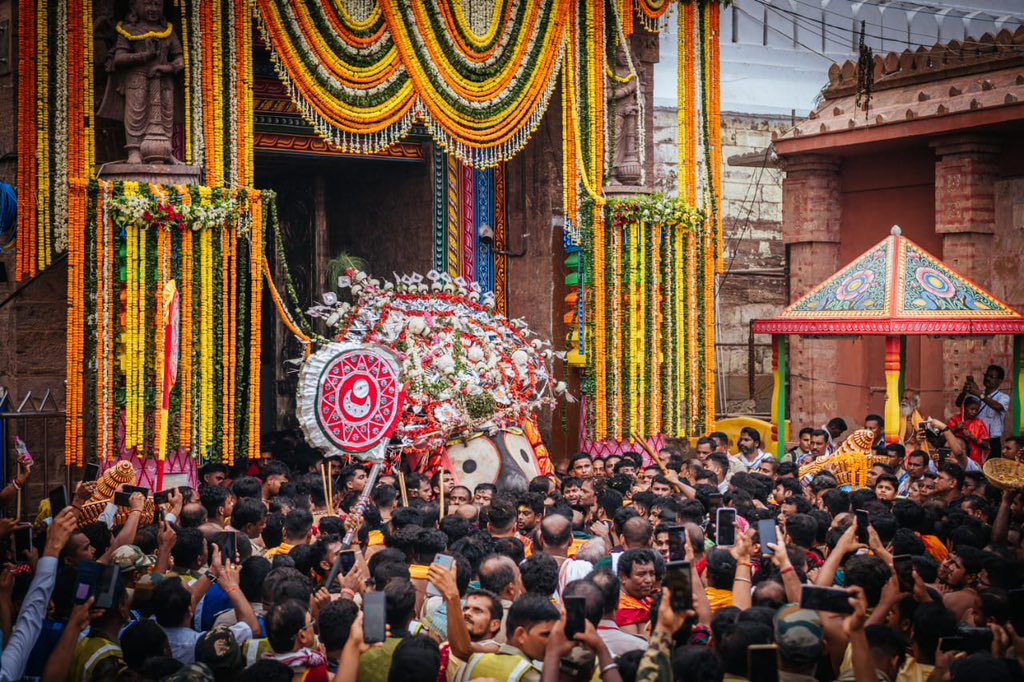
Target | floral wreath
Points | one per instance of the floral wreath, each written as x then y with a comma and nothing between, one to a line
467,368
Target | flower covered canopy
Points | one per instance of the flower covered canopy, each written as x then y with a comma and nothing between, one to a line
894,288
466,367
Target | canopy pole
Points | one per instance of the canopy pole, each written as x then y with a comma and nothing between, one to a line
903,364
893,377
779,394
1018,387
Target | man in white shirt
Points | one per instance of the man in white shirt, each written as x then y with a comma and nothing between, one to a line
994,403
750,454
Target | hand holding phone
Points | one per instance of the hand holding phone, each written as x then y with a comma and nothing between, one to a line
91,473
863,524
374,631
86,579
725,527
135,489
679,580
967,639
444,560
767,533
904,565
58,500
228,547
22,543
106,587
829,599
575,616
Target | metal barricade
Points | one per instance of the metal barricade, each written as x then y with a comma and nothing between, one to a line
39,421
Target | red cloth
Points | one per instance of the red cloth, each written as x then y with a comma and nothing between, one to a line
978,430
632,611
317,674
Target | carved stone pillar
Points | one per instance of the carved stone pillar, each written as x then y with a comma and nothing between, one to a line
966,168
811,215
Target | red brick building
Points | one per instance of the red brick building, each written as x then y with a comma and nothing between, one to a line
938,150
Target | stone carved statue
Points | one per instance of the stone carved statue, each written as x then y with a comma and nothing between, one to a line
626,168
143,69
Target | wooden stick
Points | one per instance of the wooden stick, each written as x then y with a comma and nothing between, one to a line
330,488
440,498
402,488
323,482
647,448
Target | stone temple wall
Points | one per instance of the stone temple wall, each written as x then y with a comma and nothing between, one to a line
755,282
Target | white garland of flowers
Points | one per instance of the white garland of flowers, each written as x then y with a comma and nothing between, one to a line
133,210
468,368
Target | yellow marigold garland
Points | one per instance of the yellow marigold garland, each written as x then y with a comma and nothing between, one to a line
256,266
164,227
166,33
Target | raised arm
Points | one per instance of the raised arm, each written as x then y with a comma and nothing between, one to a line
33,607
458,634
847,543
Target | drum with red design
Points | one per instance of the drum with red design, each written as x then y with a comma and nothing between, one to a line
350,398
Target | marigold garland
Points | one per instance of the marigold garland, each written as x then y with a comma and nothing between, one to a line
55,148
159,244
145,36
360,83
643,330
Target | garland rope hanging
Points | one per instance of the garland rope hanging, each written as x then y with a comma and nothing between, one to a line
127,241
362,77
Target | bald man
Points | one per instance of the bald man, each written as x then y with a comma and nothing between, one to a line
500,575
468,512
637,533
555,539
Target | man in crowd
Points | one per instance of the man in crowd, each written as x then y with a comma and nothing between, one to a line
1013,449
994,403
636,571
704,448
750,453
911,420
836,427
820,446
876,425
802,450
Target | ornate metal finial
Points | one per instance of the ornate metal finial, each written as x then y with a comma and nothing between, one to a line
896,231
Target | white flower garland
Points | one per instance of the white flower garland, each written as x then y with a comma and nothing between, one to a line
59,145
466,366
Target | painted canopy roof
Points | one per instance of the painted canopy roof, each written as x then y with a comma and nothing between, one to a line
894,288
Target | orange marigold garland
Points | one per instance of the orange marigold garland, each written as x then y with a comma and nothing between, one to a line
27,176
256,266
54,126
148,233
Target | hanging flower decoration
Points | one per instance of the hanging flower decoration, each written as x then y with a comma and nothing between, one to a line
154,212
467,367
645,372
130,240
362,72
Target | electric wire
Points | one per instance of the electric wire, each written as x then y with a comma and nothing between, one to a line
845,34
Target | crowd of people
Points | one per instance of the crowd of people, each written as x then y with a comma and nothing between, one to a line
618,568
